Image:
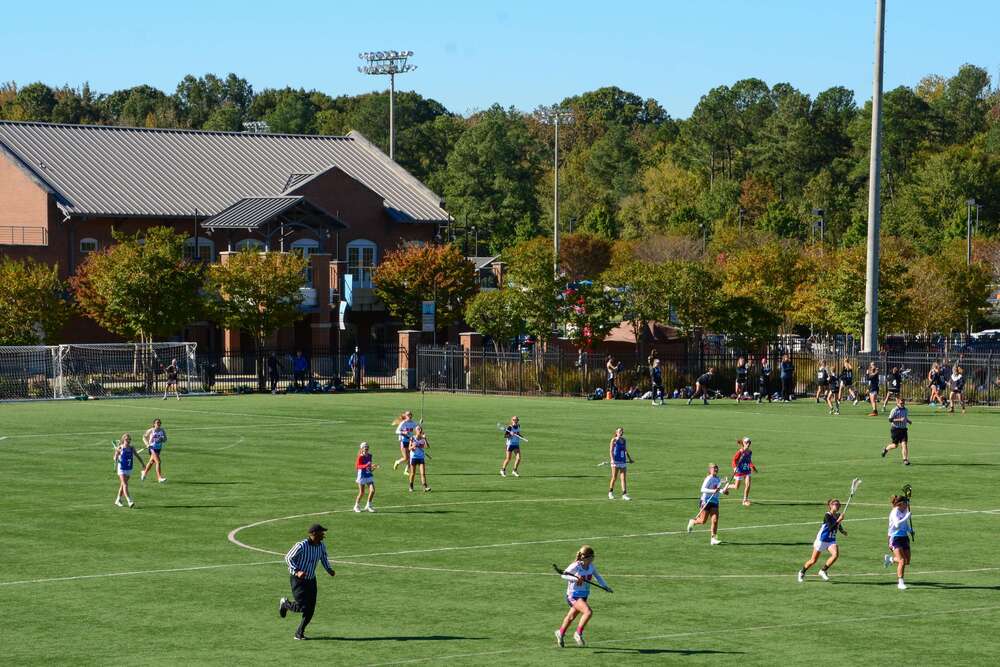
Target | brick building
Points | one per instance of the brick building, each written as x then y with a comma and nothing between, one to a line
338,200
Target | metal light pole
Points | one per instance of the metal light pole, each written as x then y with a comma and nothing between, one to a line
870,342
391,63
555,115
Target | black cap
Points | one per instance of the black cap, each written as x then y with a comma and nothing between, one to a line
316,528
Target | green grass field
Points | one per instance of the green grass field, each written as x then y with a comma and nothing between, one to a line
462,575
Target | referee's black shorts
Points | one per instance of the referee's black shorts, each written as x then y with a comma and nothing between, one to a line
898,435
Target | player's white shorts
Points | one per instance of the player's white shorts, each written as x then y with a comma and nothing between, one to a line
127,473
821,546
364,478
621,465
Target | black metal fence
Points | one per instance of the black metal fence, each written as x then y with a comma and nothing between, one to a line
558,373
326,370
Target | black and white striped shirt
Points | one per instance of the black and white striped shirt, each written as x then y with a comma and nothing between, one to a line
304,556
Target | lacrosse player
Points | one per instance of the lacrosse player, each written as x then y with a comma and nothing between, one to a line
365,478
900,531
578,574
154,438
124,453
826,540
404,430
512,441
711,487
620,458
743,467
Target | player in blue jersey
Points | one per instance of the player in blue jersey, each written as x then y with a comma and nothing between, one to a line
826,540
900,531
154,439
512,446
619,458
418,456
404,430
365,478
579,574
124,455
743,467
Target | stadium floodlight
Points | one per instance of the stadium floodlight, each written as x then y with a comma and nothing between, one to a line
391,63
555,115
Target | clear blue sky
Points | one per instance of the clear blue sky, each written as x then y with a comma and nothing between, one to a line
474,53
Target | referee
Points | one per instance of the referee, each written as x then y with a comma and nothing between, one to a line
302,559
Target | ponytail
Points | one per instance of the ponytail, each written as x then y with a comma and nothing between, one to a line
586,551
399,420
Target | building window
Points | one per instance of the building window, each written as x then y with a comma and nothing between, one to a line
306,247
205,250
361,261
88,245
249,244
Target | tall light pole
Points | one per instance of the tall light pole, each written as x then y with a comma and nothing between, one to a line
391,63
555,115
870,343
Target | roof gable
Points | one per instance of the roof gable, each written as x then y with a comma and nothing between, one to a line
119,171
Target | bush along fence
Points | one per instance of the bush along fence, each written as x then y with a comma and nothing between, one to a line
559,373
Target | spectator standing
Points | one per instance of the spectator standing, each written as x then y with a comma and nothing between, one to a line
300,367
613,368
656,378
357,366
302,560
272,372
764,380
786,372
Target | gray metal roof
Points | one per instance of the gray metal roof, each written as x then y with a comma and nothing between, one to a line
251,212
124,171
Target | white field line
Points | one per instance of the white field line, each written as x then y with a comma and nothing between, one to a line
245,427
696,633
136,572
214,412
238,442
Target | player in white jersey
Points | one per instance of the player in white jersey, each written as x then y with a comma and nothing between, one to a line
578,574
711,487
900,531
418,456
154,438
404,431
124,453
365,478
512,445
826,540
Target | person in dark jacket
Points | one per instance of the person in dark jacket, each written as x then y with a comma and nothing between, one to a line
786,371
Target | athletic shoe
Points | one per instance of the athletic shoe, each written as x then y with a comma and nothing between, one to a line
611,496
503,473
746,503
357,509
514,472
906,462
411,488
369,508
823,575
855,401
142,477
625,497
837,411
886,560
801,576
426,489
161,480
118,501
559,639
884,452
164,398
901,586
578,638
131,504
714,541
689,401
300,637
395,464
873,413
282,607
690,525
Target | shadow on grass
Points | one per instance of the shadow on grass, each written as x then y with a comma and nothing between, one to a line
766,544
473,491
921,584
956,465
422,512
400,638
657,651
190,507
196,482
769,503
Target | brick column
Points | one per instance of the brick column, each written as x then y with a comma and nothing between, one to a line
409,339
471,341
230,337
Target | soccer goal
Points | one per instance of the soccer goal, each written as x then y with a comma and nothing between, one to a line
96,370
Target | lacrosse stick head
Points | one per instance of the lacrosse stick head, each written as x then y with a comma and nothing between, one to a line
855,483
907,491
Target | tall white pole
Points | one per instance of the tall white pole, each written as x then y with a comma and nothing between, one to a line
870,343
555,208
392,120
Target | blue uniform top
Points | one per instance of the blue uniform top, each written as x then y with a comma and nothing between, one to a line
828,531
743,463
512,435
125,458
618,451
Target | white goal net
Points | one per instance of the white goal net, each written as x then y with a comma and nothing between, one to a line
96,371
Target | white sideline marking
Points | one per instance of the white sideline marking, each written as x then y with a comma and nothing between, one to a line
696,633
238,442
128,574
181,428
213,412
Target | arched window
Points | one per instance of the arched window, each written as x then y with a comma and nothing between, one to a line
362,258
249,244
306,247
88,245
204,251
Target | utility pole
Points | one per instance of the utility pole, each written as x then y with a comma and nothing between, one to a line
555,115
870,342
391,63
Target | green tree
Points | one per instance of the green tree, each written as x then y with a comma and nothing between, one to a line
641,295
497,314
583,255
35,102
589,313
33,302
142,286
438,273
257,292
531,273
694,293
844,291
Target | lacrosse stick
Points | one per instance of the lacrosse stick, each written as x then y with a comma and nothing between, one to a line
908,492
855,483
423,387
561,571
718,490
501,427
604,463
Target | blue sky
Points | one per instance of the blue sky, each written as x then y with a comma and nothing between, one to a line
516,53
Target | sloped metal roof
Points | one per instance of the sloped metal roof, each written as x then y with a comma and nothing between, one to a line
251,212
125,171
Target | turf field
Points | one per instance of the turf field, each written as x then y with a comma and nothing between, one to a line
462,575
